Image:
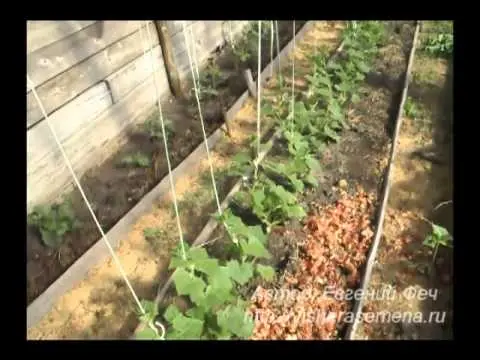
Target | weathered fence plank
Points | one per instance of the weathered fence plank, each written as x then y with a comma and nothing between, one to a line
69,84
51,60
127,78
67,121
43,33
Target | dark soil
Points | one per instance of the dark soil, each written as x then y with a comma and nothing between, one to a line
114,190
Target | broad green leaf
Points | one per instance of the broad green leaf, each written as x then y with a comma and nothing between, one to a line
235,320
254,247
334,66
198,253
240,272
311,180
196,313
220,279
257,232
324,79
147,334
297,184
171,313
235,225
355,98
241,158
223,334
188,284
363,67
217,297
312,163
186,328
258,197
439,231
176,262
296,211
267,109
283,194
331,134
323,92
266,272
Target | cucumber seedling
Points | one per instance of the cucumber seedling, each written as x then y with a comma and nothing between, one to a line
53,222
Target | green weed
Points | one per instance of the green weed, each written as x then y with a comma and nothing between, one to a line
53,222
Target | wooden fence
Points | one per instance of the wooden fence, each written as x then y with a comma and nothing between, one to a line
94,81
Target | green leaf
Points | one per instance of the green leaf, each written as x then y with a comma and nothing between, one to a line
217,297
171,313
439,231
363,67
207,266
331,134
188,284
267,109
323,79
429,242
296,211
257,232
52,240
324,92
355,98
147,334
197,253
220,279
283,194
196,312
242,158
176,262
266,272
297,184
258,197
254,247
186,328
235,320
311,180
240,272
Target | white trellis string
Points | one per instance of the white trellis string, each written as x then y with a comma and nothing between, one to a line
156,96
194,53
271,46
259,82
201,120
278,44
80,188
293,75
231,35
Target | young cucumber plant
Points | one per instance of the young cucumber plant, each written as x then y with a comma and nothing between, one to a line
272,204
53,222
209,80
217,310
137,159
153,128
437,238
301,167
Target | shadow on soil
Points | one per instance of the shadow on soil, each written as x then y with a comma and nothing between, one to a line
426,188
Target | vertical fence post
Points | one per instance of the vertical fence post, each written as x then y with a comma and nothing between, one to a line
168,58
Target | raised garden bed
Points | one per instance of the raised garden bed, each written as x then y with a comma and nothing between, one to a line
411,288
116,186
44,329
327,244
